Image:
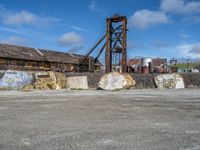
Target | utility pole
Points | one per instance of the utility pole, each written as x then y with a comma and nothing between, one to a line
187,65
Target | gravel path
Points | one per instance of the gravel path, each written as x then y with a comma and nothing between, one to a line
99,120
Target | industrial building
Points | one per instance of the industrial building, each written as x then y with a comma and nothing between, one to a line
148,65
34,59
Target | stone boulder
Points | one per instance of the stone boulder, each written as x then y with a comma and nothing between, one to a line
170,81
14,80
50,80
116,81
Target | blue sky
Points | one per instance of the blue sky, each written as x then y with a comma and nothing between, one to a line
158,28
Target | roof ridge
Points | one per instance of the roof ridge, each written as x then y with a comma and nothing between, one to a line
39,52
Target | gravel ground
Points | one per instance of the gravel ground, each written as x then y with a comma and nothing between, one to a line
99,120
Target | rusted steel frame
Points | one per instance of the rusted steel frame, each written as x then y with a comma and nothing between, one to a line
108,47
118,28
124,47
103,47
110,40
118,40
93,48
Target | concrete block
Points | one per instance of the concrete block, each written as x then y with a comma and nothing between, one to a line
78,82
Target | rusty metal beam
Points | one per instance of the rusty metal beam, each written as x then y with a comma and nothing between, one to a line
124,47
100,52
88,54
108,47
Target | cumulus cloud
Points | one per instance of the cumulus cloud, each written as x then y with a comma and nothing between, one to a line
146,18
24,17
188,50
70,39
180,6
20,18
15,40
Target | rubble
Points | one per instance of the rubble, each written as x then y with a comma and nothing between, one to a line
14,80
144,81
171,81
116,81
79,82
191,80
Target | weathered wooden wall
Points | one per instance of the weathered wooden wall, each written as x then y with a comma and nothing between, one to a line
15,64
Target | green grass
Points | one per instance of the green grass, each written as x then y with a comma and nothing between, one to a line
184,65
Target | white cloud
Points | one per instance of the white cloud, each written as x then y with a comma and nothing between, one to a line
15,40
189,50
11,30
146,18
78,28
20,18
180,7
183,35
24,17
181,50
195,49
70,39
193,19
93,7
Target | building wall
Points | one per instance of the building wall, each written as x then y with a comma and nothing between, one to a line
34,65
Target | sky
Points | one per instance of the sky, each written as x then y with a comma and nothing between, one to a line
157,28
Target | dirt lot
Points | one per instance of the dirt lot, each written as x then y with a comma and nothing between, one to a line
91,120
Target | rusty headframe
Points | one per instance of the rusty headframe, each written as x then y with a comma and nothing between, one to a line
116,43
